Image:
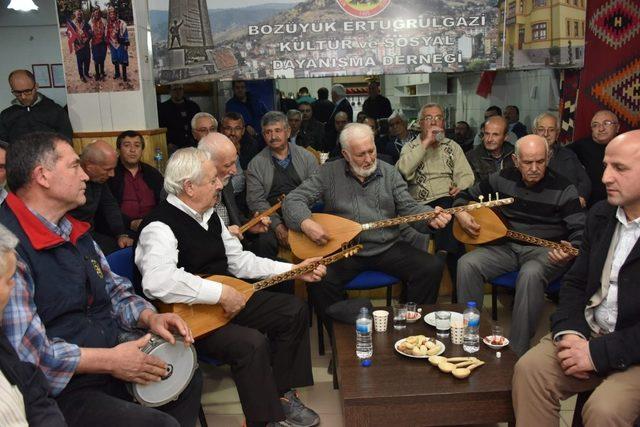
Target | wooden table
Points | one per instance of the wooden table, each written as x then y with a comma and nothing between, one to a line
400,391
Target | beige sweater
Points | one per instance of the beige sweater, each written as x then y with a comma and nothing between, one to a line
431,172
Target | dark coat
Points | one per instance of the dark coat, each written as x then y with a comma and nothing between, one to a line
519,129
229,199
44,116
100,210
150,176
483,164
322,110
620,349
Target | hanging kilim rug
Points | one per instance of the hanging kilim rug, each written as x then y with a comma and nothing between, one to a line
611,75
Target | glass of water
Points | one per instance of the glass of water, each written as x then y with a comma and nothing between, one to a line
443,324
399,316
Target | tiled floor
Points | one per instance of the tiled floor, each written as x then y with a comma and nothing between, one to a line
222,407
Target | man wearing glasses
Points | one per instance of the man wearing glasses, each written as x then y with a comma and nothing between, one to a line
590,151
31,111
563,160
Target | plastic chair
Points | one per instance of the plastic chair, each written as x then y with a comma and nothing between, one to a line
508,280
363,281
122,263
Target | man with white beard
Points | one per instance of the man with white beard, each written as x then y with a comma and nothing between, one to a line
3,171
360,188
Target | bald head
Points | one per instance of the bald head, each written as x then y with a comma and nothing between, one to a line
621,176
531,157
99,161
223,153
23,86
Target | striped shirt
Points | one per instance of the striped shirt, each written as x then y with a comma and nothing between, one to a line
549,210
23,327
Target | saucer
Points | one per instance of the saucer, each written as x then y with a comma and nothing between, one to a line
414,319
487,341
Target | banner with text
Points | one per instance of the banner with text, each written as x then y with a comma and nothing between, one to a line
196,40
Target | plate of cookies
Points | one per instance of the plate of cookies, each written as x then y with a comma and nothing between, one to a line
419,347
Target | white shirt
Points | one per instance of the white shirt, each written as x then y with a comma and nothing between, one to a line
606,313
3,195
12,411
157,258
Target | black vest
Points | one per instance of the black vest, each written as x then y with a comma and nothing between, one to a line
285,180
200,251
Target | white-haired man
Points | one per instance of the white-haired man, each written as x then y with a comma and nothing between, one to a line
202,124
546,206
360,188
67,310
182,240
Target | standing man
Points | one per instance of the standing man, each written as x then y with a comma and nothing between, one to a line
360,188
311,130
118,39
79,34
174,31
31,111
436,170
136,186
376,105
176,114
98,43
278,169
563,160
323,108
590,151
266,341
3,171
68,309
493,155
101,209
251,109
512,114
547,207
593,344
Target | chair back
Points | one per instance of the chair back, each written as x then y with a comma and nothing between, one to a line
122,263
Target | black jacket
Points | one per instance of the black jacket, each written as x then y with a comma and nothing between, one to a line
228,198
44,116
150,176
620,349
100,210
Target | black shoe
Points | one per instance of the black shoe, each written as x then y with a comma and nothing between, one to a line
298,415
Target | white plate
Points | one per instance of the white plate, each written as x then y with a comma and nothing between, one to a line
430,318
487,341
440,343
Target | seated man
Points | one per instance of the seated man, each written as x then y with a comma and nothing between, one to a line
331,139
23,387
260,239
182,240
593,343
294,119
68,309
399,135
3,171
493,154
546,206
136,186
279,168
563,160
311,130
362,189
101,209
202,124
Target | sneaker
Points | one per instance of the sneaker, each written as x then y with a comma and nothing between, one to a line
298,415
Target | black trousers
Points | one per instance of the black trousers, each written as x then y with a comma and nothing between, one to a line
267,347
419,271
112,405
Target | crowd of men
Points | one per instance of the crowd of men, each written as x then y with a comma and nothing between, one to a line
61,212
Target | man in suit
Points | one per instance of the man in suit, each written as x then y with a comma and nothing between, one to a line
339,97
512,114
595,332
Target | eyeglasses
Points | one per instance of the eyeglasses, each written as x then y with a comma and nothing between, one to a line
18,93
207,130
432,118
541,131
606,123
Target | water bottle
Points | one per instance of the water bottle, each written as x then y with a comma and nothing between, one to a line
471,343
364,325
158,157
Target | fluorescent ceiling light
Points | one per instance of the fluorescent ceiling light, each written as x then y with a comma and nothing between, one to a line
22,5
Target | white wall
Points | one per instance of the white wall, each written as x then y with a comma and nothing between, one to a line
29,38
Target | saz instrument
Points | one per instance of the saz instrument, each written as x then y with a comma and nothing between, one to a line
206,318
341,230
256,219
492,228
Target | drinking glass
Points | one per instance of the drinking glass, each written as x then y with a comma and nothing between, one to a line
399,316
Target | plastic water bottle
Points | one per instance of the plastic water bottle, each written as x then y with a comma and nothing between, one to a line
471,343
364,325
158,157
